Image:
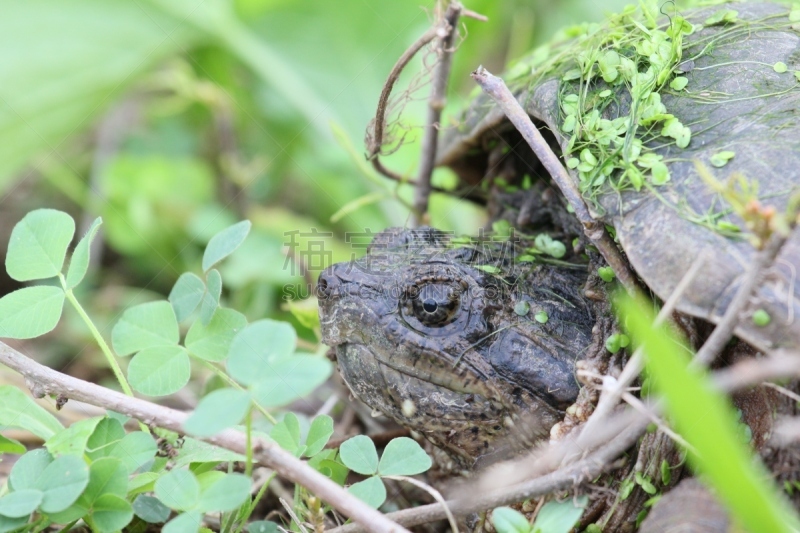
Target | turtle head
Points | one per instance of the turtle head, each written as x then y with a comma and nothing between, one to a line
434,335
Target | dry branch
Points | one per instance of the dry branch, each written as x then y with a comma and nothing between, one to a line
43,381
436,103
594,229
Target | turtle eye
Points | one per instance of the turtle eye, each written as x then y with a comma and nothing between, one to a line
435,304
430,306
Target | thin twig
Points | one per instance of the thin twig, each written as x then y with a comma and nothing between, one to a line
436,496
637,404
594,229
783,390
448,29
43,381
778,365
724,330
563,478
375,140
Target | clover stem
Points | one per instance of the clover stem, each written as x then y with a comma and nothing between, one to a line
233,383
255,501
112,362
248,424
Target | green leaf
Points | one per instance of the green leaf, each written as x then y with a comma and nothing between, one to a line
522,308
145,326
218,410
606,274
30,312
178,489
62,482
254,347
20,503
224,243
196,451
186,295
720,159
359,455
262,526
212,342
541,317
723,16
184,523
507,520
160,370
18,410
797,75
109,431
560,517
28,469
616,341
110,513
660,173
546,244
371,491
211,297
780,67
226,494
403,457
11,524
726,462
79,262
107,475
287,433
306,312
666,472
135,449
150,509
679,83
291,378
11,446
491,269
318,434
144,482
38,244
72,440
761,318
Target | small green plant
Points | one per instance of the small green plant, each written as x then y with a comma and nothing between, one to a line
553,517
401,457
97,472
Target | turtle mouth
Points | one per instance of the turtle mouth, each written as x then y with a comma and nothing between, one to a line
413,394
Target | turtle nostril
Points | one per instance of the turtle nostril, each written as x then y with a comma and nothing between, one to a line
325,286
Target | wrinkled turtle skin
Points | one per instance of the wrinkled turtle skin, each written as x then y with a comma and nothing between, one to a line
423,333
656,230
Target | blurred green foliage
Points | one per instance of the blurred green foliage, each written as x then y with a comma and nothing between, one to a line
172,119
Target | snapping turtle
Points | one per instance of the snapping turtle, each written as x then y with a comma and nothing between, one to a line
730,97
458,341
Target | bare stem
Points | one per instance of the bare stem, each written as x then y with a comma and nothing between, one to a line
594,229
45,381
430,142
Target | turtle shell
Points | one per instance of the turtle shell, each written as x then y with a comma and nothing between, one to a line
739,99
